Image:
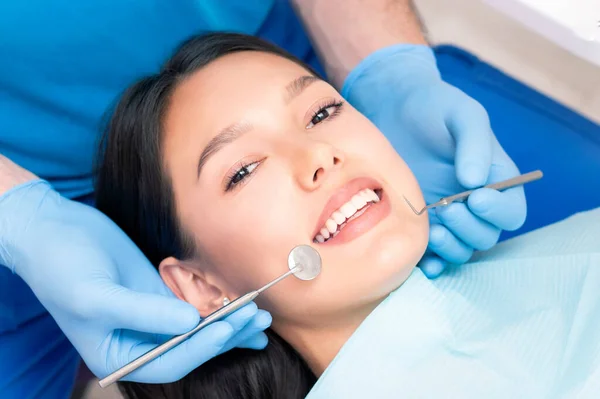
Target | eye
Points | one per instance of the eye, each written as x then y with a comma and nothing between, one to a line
324,112
239,174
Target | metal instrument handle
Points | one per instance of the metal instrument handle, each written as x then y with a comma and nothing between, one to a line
163,348
503,185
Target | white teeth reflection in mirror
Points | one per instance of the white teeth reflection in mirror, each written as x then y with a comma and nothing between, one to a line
337,220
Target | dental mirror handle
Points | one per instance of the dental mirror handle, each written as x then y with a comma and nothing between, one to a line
161,349
173,342
278,279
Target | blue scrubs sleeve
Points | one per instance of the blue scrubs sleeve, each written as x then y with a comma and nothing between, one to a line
63,63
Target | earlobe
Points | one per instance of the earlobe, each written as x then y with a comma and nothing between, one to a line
189,283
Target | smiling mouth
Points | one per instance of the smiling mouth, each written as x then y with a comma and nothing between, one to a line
360,203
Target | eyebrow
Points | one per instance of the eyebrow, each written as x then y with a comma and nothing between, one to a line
297,86
234,131
225,136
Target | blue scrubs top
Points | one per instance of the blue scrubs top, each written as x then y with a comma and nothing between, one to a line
62,64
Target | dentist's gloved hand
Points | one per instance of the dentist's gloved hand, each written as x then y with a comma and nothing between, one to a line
103,293
446,139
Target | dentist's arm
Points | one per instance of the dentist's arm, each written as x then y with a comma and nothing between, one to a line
345,32
103,293
375,51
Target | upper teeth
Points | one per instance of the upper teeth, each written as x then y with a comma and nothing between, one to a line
346,211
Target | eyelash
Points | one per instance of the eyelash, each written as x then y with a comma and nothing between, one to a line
242,171
323,108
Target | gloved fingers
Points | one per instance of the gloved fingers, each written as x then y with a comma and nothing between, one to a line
150,313
183,358
445,244
252,335
432,266
135,270
505,210
243,320
242,325
256,339
467,227
469,124
241,317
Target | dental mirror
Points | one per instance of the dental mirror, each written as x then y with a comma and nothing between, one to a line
305,262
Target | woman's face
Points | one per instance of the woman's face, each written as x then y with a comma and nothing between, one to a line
264,157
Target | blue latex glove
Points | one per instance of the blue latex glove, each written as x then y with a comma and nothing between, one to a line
446,139
103,293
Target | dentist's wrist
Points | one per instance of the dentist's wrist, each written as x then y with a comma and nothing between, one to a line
18,209
12,175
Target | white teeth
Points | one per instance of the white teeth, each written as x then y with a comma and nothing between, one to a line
374,196
338,217
358,201
331,226
348,209
370,195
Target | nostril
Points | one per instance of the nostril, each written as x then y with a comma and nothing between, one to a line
318,174
336,160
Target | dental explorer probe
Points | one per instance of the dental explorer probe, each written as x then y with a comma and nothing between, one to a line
503,185
304,262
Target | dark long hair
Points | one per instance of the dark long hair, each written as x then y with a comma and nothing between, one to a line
133,189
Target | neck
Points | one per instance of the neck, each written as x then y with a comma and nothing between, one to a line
319,343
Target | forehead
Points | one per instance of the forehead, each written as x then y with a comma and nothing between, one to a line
229,88
243,76
240,86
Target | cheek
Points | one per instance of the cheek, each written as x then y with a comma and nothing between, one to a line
380,263
361,139
248,235
364,143
399,243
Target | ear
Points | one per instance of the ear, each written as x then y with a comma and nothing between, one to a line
189,283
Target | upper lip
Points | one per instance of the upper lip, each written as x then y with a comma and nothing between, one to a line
343,195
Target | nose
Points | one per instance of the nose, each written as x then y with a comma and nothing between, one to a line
318,161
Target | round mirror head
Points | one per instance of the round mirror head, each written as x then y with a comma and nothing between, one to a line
308,261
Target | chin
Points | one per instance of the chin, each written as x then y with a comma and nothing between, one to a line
398,254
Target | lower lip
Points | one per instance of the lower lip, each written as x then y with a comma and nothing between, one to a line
374,214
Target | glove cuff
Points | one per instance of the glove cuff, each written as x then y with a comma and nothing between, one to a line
404,64
18,206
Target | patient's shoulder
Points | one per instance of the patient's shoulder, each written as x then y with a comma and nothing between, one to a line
578,234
